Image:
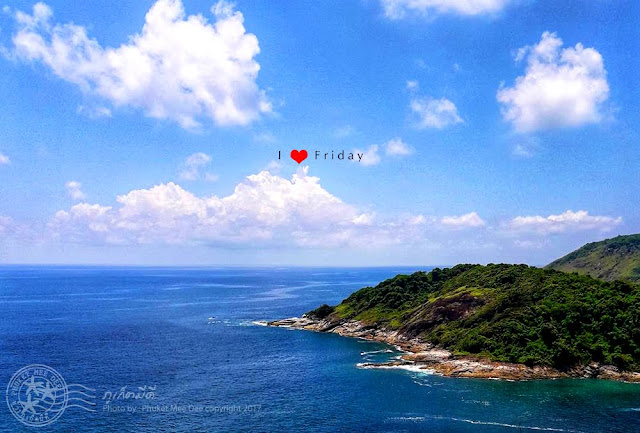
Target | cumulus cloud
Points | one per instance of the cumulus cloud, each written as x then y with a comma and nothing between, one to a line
565,222
265,210
4,159
269,211
178,67
435,113
471,219
371,155
561,87
74,189
397,147
194,166
398,9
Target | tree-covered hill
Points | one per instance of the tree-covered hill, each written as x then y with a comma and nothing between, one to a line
510,313
612,259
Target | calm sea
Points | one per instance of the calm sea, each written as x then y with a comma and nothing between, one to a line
168,349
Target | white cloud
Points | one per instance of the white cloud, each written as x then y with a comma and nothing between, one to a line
412,85
263,207
524,146
365,219
193,166
4,159
393,147
178,67
265,137
344,131
561,87
5,223
265,210
268,211
210,177
435,113
471,219
420,64
74,189
397,147
273,166
522,150
398,9
417,220
13,230
94,112
371,156
564,222
528,244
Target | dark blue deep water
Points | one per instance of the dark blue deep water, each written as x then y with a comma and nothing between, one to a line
189,334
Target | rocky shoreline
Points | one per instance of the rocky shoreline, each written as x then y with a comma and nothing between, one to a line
420,355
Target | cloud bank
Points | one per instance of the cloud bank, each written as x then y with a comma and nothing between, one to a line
435,113
269,211
265,209
564,222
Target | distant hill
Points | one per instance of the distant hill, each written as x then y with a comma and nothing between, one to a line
612,259
510,313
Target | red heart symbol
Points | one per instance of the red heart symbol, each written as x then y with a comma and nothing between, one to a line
299,156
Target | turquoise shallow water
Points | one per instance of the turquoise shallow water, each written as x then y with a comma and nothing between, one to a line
189,334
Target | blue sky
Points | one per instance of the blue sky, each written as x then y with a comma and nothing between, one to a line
493,130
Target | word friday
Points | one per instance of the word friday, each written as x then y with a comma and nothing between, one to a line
300,155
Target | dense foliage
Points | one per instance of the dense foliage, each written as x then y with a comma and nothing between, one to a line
612,259
393,299
322,312
512,313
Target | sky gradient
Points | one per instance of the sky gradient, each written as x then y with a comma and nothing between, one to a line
149,132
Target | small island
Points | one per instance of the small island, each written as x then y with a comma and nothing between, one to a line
496,321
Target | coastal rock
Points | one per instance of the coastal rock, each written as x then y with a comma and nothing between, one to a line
420,355
431,355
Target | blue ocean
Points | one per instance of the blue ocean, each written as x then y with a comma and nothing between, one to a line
181,350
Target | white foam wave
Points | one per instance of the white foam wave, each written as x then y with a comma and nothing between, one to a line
489,423
412,368
420,383
500,424
373,352
407,418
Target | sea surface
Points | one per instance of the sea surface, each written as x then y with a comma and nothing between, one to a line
177,350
